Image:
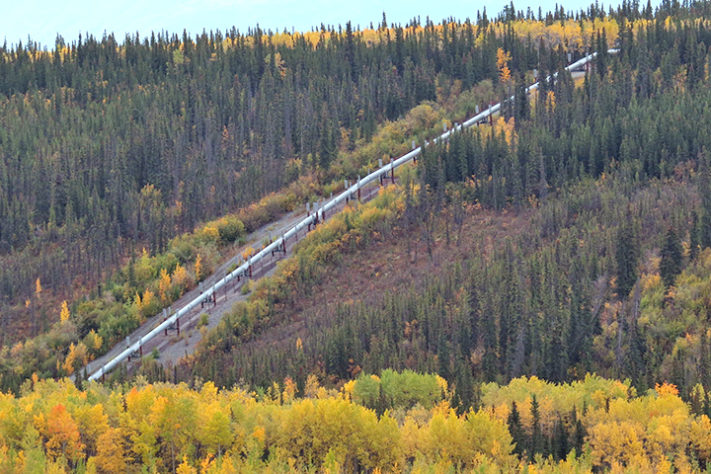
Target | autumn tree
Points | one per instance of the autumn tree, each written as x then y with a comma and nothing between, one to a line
64,312
502,64
111,452
61,434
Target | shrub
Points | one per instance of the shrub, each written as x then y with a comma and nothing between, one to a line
230,228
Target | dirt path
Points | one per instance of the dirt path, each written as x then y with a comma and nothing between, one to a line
174,344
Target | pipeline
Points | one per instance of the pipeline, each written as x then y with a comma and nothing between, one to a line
278,244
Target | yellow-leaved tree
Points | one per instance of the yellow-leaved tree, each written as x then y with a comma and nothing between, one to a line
198,268
164,286
214,430
64,312
502,64
111,451
61,434
77,358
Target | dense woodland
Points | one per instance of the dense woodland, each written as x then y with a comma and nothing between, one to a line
110,148
54,427
97,263
615,175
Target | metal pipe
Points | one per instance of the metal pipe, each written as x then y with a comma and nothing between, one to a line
353,189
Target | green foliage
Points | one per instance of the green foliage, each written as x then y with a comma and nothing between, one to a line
204,319
398,390
626,256
671,258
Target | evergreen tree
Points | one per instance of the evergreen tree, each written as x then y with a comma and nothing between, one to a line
627,254
705,222
516,430
579,431
694,238
671,257
537,442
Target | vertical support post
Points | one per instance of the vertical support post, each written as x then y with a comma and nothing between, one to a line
392,171
177,322
358,187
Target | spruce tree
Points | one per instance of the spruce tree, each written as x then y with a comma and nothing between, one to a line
516,429
694,237
627,254
671,262
561,445
705,222
536,442
579,433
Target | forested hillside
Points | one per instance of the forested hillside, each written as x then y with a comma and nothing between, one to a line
570,236
114,150
109,147
605,272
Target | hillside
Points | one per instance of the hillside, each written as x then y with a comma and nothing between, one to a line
108,147
600,219
531,294
151,267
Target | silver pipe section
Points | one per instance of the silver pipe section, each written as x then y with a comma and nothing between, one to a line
244,268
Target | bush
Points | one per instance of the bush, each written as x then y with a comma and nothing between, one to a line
230,229
204,320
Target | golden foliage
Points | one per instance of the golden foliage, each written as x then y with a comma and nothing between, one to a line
502,61
248,252
64,312
666,389
165,425
77,357
61,433
180,277
164,286
198,268
111,451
